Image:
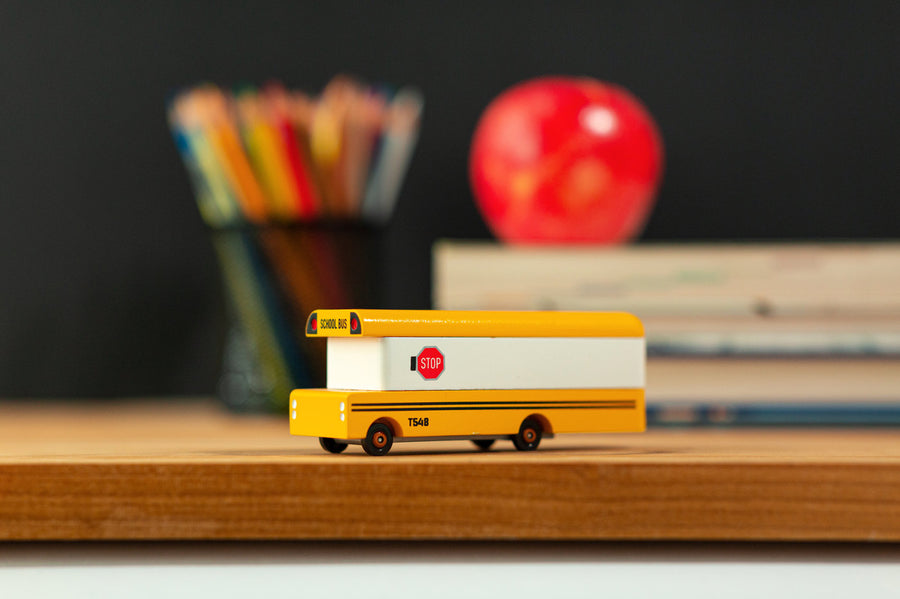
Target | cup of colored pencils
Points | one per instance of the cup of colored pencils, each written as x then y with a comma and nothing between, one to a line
295,190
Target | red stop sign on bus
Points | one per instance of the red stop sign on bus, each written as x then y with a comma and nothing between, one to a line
430,363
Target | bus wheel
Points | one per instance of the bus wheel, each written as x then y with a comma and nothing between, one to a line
529,436
483,444
378,440
332,446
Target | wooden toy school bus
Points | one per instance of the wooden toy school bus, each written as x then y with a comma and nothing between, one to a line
418,375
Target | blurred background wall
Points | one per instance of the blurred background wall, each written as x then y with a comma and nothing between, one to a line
780,122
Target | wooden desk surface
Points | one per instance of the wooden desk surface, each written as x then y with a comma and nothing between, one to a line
188,470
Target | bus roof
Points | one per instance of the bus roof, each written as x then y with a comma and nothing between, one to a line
474,323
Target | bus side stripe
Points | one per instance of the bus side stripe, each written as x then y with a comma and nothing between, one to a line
489,403
508,407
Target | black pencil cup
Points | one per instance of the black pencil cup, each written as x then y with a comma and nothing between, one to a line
274,276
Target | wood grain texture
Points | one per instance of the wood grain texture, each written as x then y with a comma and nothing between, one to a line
186,470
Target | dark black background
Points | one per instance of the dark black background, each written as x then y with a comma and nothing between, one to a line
780,122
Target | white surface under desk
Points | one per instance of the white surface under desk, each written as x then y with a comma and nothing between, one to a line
453,569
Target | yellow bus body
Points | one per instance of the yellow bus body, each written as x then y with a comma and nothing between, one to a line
346,415
376,418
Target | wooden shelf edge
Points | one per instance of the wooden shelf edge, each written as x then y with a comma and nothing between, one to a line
386,499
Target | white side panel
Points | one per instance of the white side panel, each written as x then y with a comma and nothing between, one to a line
355,363
490,363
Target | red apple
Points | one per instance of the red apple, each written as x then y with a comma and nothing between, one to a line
561,159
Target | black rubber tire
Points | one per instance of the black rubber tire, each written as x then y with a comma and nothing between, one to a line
332,446
483,444
378,440
529,436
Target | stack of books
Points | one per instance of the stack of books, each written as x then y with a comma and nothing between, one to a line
754,333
